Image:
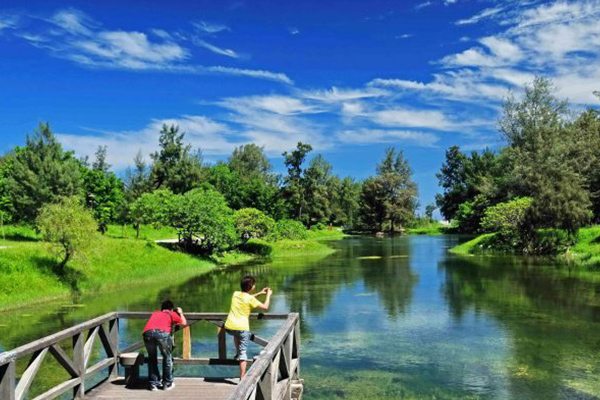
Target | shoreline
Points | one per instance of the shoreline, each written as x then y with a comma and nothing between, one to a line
111,272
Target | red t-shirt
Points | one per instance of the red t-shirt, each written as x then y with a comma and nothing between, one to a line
162,321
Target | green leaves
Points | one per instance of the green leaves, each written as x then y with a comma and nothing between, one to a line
251,223
68,226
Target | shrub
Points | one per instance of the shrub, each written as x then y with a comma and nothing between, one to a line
289,229
258,247
68,226
318,227
251,223
508,220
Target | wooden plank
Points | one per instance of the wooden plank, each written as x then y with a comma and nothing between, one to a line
94,369
264,360
187,343
58,390
256,339
222,343
27,377
8,378
132,348
113,337
106,342
47,341
89,346
63,359
79,362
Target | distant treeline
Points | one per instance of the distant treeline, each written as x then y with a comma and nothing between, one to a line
42,172
545,181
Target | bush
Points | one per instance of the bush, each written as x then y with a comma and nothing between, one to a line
318,227
508,220
68,226
289,229
251,223
258,247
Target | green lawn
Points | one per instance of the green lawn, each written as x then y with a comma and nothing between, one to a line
28,275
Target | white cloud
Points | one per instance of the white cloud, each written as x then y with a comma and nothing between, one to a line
405,36
203,133
413,118
215,49
210,28
423,5
278,104
335,94
8,21
368,136
488,12
72,35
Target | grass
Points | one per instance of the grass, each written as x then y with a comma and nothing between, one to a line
428,228
585,252
28,266
147,232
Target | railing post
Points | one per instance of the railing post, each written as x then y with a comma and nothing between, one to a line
187,343
7,381
222,344
79,361
113,336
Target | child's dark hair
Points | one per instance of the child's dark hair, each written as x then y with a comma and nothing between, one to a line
247,283
167,305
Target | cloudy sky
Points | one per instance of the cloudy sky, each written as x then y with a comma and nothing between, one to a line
350,77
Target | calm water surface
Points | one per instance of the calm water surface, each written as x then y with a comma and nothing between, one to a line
391,318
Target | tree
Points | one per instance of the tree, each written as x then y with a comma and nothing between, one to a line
347,202
540,137
152,208
42,173
68,226
295,183
317,194
137,180
6,207
252,223
103,191
390,196
429,209
175,167
202,217
249,161
508,219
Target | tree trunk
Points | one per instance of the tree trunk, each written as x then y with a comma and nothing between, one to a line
137,231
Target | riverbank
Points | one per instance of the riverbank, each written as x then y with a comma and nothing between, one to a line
27,274
585,252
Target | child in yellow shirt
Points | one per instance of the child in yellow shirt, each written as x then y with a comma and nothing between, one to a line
238,320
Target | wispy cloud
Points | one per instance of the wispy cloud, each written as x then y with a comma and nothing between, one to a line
335,94
8,21
210,27
369,136
215,49
423,5
488,12
278,104
73,35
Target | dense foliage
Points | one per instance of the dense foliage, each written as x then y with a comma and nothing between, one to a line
552,157
252,223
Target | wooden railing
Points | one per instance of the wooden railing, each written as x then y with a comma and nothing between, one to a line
272,375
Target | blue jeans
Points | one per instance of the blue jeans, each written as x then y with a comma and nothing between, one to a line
243,338
160,340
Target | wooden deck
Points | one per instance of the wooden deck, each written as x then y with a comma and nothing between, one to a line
185,388
273,375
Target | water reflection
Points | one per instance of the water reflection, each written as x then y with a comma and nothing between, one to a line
394,318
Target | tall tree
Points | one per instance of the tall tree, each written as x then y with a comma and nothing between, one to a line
348,202
538,131
6,206
318,207
391,196
103,191
295,183
137,180
42,173
249,160
175,167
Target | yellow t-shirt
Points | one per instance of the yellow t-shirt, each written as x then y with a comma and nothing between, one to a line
242,304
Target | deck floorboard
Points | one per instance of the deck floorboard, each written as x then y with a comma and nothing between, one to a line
185,388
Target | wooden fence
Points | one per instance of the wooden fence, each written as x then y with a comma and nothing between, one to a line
273,375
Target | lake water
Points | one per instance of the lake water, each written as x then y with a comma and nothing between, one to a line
393,318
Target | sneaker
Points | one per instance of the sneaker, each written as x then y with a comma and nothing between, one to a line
154,388
168,386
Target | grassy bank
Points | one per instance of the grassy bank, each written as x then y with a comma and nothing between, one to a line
585,252
427,228
28,276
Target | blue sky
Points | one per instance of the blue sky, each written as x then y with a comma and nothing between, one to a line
349,77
